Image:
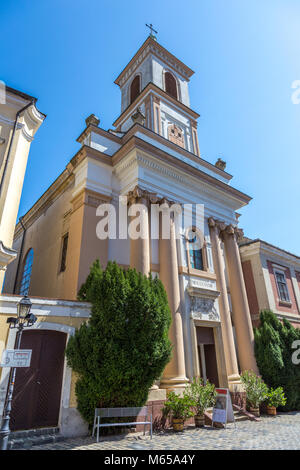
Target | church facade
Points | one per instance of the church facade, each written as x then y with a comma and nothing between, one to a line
152,157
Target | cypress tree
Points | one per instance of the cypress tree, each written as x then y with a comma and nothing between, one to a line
124,347
273,351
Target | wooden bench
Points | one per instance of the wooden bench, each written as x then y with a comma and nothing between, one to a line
101,413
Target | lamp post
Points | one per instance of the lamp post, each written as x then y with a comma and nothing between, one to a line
24,319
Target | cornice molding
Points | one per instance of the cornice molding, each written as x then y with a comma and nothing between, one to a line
10,122
26,135
98,130
155,152
46,200
163,95
261,247
7,255
166,142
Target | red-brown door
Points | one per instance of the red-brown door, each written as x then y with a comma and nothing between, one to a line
37,392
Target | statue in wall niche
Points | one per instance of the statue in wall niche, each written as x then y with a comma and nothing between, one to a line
138,117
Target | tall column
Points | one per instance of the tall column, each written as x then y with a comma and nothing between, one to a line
226,325
139,247
241,312
174,375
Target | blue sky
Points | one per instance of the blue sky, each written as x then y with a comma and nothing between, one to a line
245,55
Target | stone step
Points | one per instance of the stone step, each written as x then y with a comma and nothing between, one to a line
32,437
239,417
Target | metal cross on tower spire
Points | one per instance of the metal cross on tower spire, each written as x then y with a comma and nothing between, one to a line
150,26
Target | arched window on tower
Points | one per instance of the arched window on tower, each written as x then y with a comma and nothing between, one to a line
170,85
26,275
135,88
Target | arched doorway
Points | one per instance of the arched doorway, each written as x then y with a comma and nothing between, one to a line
37,392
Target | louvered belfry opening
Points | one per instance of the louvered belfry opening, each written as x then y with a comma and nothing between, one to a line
170,85
135,88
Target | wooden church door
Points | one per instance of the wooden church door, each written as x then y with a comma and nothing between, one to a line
37,392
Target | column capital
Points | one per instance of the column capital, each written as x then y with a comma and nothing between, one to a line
224,229
218,224
168,202
138,193
235,231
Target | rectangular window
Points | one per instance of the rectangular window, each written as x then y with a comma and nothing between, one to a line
282,286
196,259
64,252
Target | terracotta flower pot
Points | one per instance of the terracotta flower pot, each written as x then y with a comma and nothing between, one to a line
271,410
199,421
177,424
254,411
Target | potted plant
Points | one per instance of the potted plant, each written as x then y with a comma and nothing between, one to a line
255,389
275,398
202,397
179,409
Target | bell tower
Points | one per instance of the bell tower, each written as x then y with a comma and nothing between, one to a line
155,86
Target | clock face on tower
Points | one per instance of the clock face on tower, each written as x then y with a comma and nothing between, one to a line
175,134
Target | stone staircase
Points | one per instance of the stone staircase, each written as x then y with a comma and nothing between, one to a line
32,437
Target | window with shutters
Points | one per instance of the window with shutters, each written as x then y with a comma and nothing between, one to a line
282,287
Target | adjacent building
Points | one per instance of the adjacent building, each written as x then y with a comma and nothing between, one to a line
272,278
19,121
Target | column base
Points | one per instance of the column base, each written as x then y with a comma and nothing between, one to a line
174,384
154,387
235,384
158,394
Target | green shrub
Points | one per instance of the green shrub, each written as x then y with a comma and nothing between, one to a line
273,351
202,396
255,388
178,407
124,347
275,397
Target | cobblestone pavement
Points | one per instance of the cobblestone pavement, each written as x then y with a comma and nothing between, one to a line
280,432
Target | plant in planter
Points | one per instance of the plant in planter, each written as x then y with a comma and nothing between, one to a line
275,398
255,389
179,409
202,397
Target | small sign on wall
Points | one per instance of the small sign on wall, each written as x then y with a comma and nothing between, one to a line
223,411
16,358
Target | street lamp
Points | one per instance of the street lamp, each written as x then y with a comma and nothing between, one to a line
24,307
24,319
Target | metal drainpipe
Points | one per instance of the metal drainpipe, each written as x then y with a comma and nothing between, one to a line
20,254
11,141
